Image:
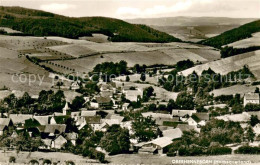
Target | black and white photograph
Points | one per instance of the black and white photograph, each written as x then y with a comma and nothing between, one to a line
129,82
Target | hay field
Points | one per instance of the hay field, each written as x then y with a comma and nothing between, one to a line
224,66
249,42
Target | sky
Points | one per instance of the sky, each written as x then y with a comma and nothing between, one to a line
127,9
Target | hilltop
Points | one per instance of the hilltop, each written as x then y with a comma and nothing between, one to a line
242,32
40,23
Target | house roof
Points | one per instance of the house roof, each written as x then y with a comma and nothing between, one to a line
186,127
43,120
72,136
113,116
101,100
110,121
173,133
5,121
88,113
19,118
47,142
157,115
125,104
256,129
181,113
4,94
202,116
2,127
252,96
162,141
93,119
60,138
53,128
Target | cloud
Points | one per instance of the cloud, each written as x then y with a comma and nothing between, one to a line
57,7
178,6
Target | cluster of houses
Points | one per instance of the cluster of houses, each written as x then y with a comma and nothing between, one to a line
54,132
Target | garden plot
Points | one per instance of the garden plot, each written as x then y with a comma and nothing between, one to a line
249,42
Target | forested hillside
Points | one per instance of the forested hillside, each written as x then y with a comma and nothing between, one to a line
40,23
242,32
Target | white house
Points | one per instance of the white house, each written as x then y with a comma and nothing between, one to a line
132,94
251,98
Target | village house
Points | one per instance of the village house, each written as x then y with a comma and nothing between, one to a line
75,85
58,142
132,93
107,90
251,98
101,102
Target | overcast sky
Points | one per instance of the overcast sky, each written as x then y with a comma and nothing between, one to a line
124,9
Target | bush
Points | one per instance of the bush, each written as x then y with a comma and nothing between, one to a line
12,159
34,162
248,150
46,162
219,151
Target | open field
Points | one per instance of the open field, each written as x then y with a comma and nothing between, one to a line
249,42
224,66
240,89
132,53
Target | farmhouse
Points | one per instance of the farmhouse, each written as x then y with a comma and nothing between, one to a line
251,98
132,93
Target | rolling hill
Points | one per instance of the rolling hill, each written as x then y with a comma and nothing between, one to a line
240,33
40,23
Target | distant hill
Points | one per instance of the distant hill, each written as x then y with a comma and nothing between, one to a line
191,21
242,32
40,23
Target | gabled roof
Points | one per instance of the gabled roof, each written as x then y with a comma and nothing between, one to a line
202,116
101,100
5,121
43,120
162,142
110,121
19,118
88,113
186,127
113,116
93,119
173,133
53,128
252,96
2,127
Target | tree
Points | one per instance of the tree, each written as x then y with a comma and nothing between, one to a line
127,79
147,93
257,90
116,140
145,128
77,103
143,77
250,135
185,101
254,120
